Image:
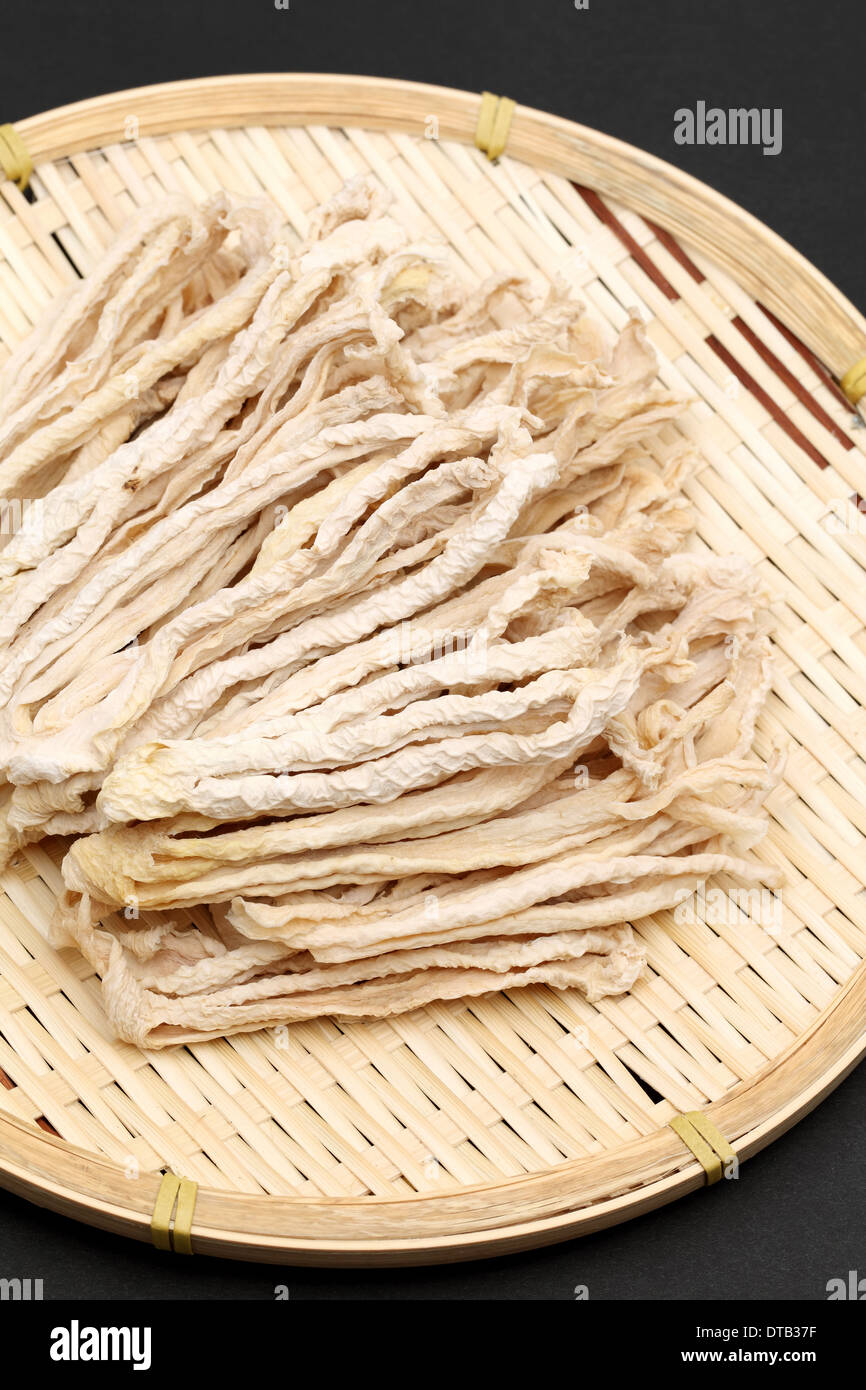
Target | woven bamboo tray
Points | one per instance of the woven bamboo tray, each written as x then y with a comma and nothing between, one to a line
473,1128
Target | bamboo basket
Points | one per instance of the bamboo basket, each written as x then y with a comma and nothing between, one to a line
478,1127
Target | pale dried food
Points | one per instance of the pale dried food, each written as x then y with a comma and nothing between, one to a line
361,645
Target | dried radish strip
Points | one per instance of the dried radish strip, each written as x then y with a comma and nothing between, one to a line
360,646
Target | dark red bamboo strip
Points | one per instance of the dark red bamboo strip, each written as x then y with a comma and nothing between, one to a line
809,356
781,419
637,253
673,247
804,396
767,355
604,213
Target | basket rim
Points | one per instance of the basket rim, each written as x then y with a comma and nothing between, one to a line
572,1197
74,1182
826,321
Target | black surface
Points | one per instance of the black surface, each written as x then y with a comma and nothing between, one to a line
797,1215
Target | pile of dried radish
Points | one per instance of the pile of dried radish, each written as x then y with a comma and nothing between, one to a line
355,631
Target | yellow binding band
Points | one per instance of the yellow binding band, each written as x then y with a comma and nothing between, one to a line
708,1144
853,382
179,1236
494,123
14,159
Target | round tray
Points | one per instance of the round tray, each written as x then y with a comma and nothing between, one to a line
476,1127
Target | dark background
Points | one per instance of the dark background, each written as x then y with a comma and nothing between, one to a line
623,66
797,1215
